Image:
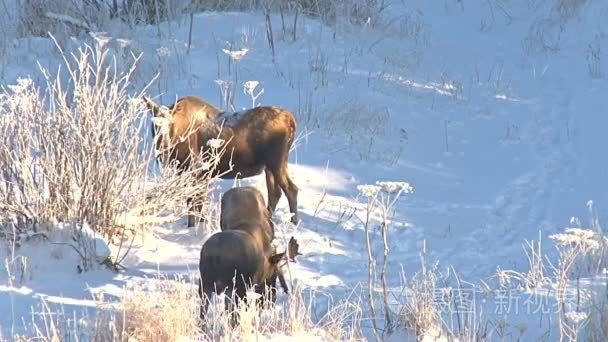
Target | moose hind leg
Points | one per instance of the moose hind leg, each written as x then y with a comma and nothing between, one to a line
196,219
194,205
191,219
190,216
274,191
283,283
290,190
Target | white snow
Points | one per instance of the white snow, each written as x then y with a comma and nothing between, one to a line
499,137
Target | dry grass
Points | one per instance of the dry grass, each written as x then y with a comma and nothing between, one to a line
433,310
545,33
361,125
569,8
419,312
292,316
160,310
533,278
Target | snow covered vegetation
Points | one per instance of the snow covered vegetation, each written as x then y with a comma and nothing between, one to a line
446,158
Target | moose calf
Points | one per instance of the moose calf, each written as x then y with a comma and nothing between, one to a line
241,255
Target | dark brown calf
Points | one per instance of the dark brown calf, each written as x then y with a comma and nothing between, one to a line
232,261
259,139
241,254
243,208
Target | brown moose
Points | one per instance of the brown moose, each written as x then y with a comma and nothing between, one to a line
258,139
241,255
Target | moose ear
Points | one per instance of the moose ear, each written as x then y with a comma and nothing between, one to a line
274,259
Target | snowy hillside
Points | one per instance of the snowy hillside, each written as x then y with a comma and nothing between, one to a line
494,112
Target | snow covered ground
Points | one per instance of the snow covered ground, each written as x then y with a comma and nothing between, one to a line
494,112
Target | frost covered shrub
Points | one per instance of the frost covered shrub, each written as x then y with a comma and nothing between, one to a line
76,154
587,248
356,11
9,31
574,246
381,198
70,18
419,312
65,153
153,11
39,17
364,128
568,8
547,30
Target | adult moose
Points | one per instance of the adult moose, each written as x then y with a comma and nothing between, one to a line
259,139
241,254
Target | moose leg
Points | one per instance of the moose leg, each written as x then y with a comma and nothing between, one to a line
290,190
194,204
196,219
283,283
190,216
191,221
264,290
274,191
268,292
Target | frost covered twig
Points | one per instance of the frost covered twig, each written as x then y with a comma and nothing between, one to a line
227,94
370,191
571,245
382,196
249,89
